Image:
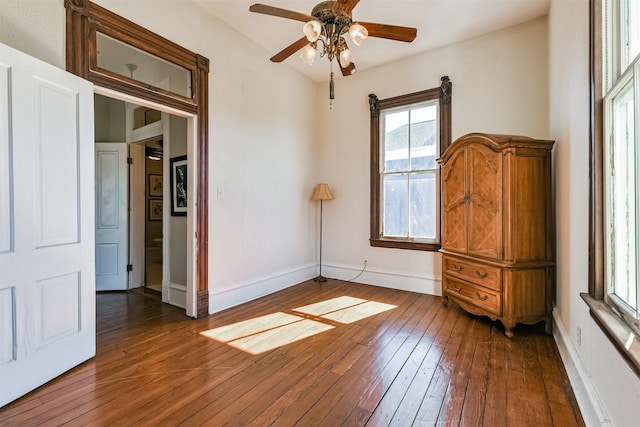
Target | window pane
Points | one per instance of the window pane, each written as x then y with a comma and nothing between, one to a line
423,137
395,221
396,141
632,30
622,199
128,61
423,205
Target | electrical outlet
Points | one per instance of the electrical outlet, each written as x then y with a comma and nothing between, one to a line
579,335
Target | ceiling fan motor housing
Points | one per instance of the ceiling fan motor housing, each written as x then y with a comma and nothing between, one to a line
326,13
335,23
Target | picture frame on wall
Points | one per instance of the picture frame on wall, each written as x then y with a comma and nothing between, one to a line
178,186
155,185
155,209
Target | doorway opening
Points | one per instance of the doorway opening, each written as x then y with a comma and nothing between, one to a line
150,245
154,218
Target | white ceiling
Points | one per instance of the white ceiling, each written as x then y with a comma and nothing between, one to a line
439,23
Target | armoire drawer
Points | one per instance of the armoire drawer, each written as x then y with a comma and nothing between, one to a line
484,275
479,296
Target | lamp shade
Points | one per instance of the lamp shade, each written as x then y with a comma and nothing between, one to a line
358,33
312,30
322,192
308,54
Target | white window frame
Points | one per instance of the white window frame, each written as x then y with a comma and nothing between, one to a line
615,81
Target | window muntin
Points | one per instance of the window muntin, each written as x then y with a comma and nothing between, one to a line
409,172
622,158
629,31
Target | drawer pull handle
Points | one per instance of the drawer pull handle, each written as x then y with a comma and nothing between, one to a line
457,289
481,275
483,297
456,267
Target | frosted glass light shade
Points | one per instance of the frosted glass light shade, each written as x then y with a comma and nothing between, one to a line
312,30
346,58
308,54
357,33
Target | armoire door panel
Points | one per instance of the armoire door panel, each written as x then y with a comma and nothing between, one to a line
453,204
485,188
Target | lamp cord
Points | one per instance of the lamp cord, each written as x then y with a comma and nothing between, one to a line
359,274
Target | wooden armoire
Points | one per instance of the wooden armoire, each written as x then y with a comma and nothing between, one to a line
498,228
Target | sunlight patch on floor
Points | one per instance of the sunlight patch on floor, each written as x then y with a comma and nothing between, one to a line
345,309
264,333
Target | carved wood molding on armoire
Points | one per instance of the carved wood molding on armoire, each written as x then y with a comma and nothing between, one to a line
498,228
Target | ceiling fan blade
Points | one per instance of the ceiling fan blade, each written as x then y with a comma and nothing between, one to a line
282,13
348,70
346,5
392,32
290,50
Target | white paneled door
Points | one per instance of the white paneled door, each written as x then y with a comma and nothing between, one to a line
111,216
47,273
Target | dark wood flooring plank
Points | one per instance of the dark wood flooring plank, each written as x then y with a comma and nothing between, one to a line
438,333
414,364
455,395
386,405
476,393
372,382
432,403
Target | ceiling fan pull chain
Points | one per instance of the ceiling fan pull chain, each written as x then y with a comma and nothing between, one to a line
331,91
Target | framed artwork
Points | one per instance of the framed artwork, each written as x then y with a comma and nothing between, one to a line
155,185
179,186
155,209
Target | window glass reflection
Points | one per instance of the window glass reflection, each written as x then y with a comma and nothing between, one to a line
118,57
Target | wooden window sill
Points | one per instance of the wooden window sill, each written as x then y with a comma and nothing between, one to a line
622,337
402,244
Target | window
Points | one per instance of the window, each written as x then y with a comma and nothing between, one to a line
408,134
621,105
614,219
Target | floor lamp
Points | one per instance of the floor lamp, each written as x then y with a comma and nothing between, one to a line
321,192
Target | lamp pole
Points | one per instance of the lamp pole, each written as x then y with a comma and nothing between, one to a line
321,192
320,278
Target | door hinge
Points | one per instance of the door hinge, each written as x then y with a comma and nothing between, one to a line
129,267
130,160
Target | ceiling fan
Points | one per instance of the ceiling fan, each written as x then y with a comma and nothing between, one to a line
328,23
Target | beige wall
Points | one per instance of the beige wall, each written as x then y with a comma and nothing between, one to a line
500,85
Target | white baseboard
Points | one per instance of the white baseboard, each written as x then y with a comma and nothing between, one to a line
226,298
593,411
423,283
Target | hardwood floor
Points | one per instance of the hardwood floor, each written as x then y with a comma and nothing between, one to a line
343,354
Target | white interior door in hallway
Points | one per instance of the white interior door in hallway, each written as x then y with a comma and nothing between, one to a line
111,216
47,252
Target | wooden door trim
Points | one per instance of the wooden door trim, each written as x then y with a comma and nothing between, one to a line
83,18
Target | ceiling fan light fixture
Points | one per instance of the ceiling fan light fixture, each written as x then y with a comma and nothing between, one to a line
312,30
358,33
308,54
346,58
